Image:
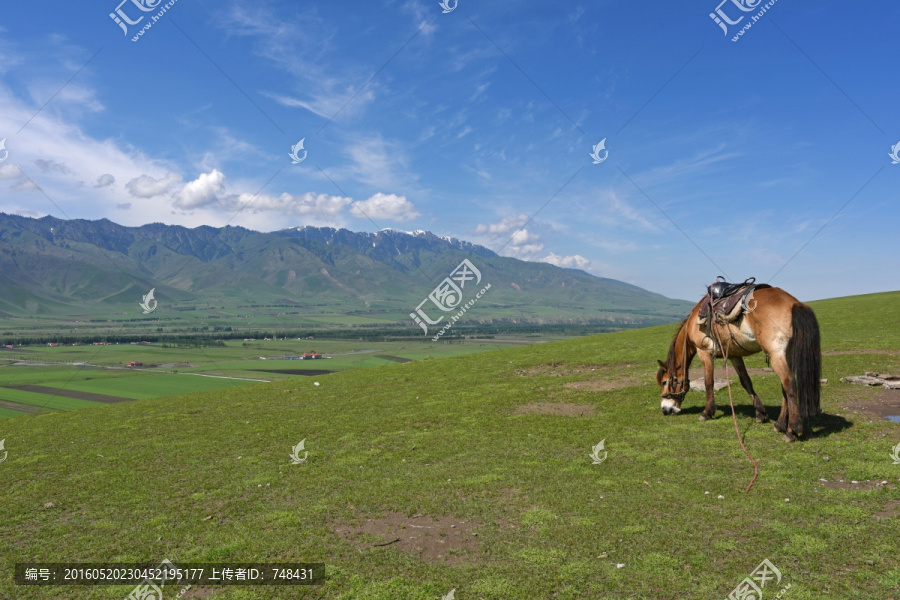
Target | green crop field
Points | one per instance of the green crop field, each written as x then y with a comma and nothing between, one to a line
168,371
471,473
43,401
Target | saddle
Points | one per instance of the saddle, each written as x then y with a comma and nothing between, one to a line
728,301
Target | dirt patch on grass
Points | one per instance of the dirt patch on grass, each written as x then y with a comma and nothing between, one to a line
444,540
561,369
510,493
843,484
195,593
41,389
885,403
553,408
25,408
396,359
891,509
310,372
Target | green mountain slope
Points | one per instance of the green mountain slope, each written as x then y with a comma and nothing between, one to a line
53,266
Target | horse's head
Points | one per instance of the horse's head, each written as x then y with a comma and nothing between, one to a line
672,389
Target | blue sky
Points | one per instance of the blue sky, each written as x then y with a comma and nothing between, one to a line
723,157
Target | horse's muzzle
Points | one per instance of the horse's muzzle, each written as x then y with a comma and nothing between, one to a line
670,407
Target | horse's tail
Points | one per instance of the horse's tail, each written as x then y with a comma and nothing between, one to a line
806,360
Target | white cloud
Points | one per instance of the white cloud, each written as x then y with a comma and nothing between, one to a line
9,171
522,237
25,185
203,191
510,237
209,191
66,161
390,207
505,225
527,251
52,166
148,187
105,181
576,261
320,206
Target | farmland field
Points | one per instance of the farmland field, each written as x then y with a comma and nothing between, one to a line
167,371
471,473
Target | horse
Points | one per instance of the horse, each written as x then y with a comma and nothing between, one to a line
779,325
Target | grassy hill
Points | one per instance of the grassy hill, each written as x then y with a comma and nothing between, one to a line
494,444
76,273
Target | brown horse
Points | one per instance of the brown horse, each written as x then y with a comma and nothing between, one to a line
779,325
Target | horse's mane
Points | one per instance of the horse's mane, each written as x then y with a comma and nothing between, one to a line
670,359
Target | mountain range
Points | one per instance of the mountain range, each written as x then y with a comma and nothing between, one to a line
56,267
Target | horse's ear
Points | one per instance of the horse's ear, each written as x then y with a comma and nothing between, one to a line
661,364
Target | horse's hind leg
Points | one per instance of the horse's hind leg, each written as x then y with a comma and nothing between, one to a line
747,384
781,422
789,422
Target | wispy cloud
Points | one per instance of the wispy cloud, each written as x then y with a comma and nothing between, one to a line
686,167
321,84
422,20
327,103
378,163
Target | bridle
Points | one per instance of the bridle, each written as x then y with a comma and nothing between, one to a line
673,382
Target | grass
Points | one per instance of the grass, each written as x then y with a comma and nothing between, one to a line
207,477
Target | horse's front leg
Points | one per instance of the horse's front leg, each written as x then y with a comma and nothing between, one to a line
709,365
744,376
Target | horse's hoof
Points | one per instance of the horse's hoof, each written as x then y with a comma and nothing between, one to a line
703,417
780,427
762,419
788,438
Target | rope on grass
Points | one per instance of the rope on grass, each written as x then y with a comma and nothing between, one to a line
737,430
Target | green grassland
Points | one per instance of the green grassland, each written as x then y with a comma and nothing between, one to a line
206,477
102,370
